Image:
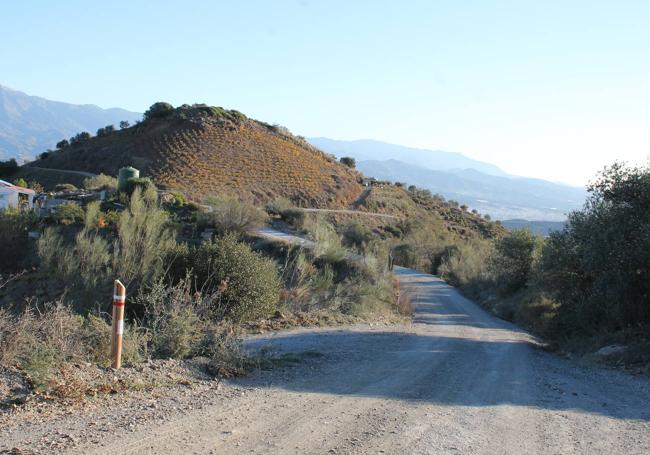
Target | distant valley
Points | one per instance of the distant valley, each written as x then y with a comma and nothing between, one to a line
479,185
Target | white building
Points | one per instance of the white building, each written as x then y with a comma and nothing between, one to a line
15,196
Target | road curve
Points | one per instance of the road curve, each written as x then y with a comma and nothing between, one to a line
457,380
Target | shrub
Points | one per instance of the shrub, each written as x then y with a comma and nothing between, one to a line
41,339
69,213
79,138
230,215
158,110
137,251
8,168
124,124
170,316
21,182
100,182
179,199
328,246
247,283
143,239
59,187
14,226
405,255
357,235
512,261
294,216
467,265
62,144
278,205
144,184
82,265
348,161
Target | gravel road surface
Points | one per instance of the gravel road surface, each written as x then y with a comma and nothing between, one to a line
455,381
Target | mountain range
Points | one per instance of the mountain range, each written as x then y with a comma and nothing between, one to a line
479,185
30,125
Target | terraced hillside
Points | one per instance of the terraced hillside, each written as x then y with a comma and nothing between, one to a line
202,150
413,204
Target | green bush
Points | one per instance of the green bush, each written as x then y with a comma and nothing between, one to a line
597,267
247,283
21,182
294,216
158,110
348,161
357,235
8,168
144,184
405,255
69,213
144,238
512,261
136,253
100,182
14,226
467,265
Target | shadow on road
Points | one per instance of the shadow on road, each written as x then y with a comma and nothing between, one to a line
455,371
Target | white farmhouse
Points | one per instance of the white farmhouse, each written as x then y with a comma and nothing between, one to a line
15,196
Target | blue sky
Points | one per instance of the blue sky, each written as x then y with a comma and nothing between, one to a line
551,89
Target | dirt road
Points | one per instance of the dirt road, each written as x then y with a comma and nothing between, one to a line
456,381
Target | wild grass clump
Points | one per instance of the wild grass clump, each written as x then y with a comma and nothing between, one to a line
357,235
329,247
41,339
179,323
229,215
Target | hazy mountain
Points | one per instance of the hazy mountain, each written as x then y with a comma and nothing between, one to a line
501,197
365,149
29,124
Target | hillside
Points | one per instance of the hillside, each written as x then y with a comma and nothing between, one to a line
501,197
30,125
202,150
416,205
480,185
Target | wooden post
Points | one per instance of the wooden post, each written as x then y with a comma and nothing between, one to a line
119,299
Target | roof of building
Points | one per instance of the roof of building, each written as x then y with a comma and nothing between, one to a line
20,189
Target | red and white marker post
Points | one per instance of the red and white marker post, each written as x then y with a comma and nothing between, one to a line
119,299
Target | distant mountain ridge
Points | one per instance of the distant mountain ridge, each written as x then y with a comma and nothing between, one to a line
479,185
30,125
367,149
